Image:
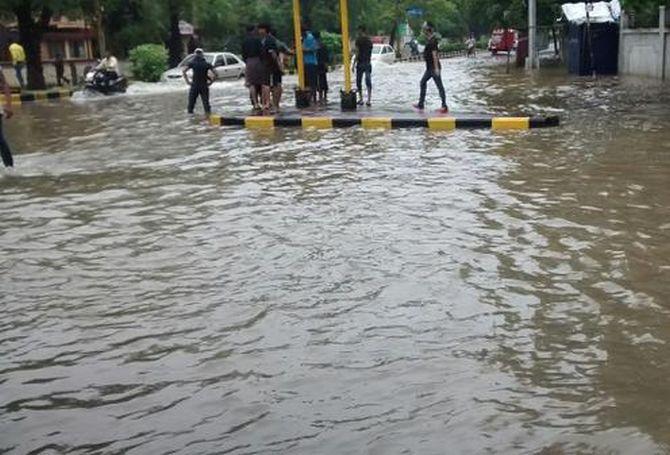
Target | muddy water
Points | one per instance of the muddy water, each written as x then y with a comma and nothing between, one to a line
167,287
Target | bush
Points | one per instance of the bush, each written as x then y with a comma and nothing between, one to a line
450,46
149,61
332,42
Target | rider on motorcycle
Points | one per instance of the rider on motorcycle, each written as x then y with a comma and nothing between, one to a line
109,67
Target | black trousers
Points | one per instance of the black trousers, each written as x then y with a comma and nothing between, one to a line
6,154
428,75
201,91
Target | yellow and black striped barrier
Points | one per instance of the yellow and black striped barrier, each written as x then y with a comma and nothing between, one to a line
433,123
40,95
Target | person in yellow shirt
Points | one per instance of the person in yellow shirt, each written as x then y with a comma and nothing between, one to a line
18,59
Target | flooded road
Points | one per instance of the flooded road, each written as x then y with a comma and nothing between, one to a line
168,287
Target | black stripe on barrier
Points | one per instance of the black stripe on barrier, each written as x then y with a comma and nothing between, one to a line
232,121
28,97
346,122
544,122
288,121
474,123
409,123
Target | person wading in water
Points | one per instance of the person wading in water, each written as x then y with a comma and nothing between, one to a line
202,70
7,113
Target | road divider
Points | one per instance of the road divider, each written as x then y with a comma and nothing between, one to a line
433,123
40,95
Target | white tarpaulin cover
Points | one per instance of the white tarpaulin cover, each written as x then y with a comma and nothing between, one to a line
602,12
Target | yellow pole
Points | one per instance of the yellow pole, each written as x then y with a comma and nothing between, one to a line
346,51
298,44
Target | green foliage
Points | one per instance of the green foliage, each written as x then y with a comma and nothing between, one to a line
149,61
451,46
332,42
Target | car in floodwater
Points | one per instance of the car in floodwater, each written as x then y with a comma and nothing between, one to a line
383,53
226,66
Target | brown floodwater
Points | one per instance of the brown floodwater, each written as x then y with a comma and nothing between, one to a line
169,287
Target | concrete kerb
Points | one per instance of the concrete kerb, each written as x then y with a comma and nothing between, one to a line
40,95
380,122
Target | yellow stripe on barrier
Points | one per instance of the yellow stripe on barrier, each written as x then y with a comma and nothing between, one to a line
64,93
16,98
215,120
317,122
442,123
40,96
259,122
511,123
376,123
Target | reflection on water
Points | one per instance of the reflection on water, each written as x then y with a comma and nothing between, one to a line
168,287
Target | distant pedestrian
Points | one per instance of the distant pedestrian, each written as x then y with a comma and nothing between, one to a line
433,69
60,70
471,45
323,60
273,70
310,47
5,152
252,48
18,60
363,60
203,76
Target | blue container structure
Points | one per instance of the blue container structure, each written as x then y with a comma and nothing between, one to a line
604,38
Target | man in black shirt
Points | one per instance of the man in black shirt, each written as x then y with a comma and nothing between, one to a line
433,70
252,49
270,59
363,64
203,76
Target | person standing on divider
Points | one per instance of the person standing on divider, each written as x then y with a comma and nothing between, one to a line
203,76
273,71
252,48
323,60
433,70
363,60
18,60
5,152
277,90
310,47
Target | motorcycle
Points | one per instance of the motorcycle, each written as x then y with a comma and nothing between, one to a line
104,82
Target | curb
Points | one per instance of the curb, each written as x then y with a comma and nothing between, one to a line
41,95
434,123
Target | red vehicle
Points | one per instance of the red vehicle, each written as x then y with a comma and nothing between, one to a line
503,40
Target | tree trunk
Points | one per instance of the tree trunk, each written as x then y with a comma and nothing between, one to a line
175,47
30,35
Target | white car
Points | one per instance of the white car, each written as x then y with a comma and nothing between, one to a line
226,66
383,53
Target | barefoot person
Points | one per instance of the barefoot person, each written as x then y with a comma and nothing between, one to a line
252,48
273,70
203,76
363,59
433,70
5,152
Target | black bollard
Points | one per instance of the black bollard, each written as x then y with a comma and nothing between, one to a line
303,98
348,100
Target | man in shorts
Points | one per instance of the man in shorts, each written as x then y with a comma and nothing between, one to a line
270,59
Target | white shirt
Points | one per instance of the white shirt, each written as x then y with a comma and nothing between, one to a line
109,64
